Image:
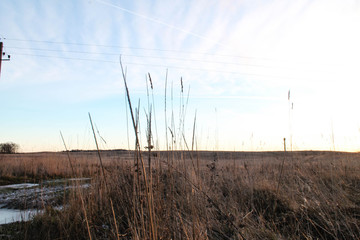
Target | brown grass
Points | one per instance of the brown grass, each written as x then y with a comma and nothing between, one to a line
232,196
49,165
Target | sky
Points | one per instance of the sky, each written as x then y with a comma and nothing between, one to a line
225,75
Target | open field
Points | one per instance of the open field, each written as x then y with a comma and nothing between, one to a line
193,195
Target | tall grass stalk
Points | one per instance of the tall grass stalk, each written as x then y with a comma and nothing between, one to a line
80,193
105,180
153,105
153,234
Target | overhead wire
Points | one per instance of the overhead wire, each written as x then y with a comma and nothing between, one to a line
61,57
294,61
143,56
148,56
141,48
162,66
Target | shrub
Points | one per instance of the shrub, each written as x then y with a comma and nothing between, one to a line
9,147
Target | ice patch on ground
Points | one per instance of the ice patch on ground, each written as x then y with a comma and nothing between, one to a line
19,186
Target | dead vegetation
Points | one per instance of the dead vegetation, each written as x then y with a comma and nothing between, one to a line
230,196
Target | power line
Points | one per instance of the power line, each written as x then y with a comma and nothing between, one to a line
158,65
68,58
140,48
163,58
147,56
296,62
152,57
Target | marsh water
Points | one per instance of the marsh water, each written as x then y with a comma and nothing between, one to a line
20,202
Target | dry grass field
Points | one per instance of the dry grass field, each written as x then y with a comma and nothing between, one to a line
193,195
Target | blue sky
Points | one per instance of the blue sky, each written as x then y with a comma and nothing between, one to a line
237,60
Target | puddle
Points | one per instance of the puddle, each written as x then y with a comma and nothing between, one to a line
14,215
20,202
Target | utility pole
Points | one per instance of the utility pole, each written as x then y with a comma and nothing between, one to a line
291,105
2,54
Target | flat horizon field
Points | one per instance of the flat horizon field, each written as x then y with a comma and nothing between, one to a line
181,195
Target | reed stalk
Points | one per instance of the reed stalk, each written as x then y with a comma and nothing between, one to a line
80,193
138,149
105,180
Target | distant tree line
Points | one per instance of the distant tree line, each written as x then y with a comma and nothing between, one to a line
9,147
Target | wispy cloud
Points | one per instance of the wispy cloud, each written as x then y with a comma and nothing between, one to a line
238,56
